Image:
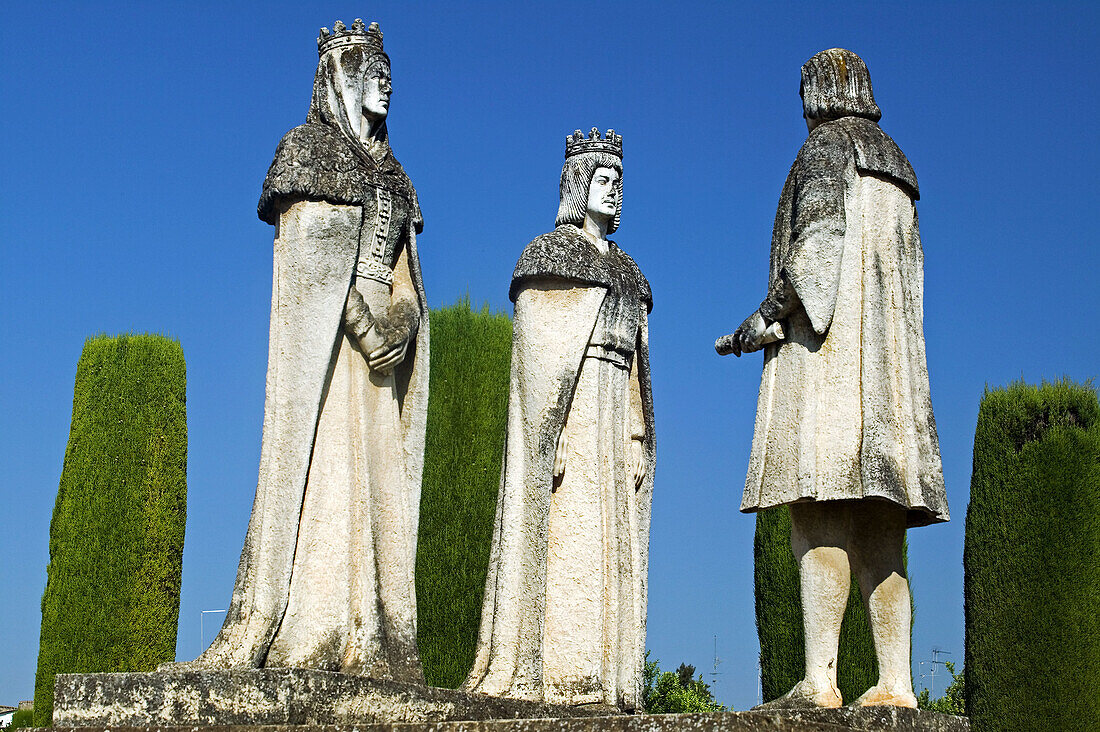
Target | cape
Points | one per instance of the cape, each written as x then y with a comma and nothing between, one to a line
567,254
844,410
313,269
552,327
318,163
807,240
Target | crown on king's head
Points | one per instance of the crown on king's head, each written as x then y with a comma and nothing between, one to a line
577,143
358,35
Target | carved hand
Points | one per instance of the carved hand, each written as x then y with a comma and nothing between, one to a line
749,335
396,330
637,453
371,340
559,454
388,356
359,322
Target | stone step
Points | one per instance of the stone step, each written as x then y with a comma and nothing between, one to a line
810,721
302,700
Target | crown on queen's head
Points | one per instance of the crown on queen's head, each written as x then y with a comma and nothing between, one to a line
358,35
577,143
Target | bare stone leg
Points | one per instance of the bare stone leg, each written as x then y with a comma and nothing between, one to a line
819,538
877,539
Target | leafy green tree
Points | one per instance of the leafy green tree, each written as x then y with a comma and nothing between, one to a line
685,673
116,538
953,700
679,691
22,718
649,679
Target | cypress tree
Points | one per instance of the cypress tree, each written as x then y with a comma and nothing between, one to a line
468,396
779,617
1032,560
116,538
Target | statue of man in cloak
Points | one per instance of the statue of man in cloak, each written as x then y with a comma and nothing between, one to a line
563,618
844,430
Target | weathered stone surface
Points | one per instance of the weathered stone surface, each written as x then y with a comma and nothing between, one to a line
239,699
819,720
573,511
844,433
326,578
899,719
564,254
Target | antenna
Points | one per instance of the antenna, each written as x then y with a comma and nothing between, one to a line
715,673
936,653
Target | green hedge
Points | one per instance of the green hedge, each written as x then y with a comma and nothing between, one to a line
1032,560
116,538
779,618
470,357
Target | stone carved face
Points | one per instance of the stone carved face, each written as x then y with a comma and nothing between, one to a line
603,193
377,87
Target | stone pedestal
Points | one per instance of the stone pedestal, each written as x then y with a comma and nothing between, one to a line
871,718
255,697
301,700
829,720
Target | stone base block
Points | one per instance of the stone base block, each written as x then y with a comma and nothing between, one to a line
301,700
264,697
872,718
841,720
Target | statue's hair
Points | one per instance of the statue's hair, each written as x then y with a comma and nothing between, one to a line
836,83
376,59
576,178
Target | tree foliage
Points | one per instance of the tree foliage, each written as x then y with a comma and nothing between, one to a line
953,700
22,718
779,617
674,692
116,538
1031,562
470,357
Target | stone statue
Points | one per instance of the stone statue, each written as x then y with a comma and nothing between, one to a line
844,429
326,576
564,611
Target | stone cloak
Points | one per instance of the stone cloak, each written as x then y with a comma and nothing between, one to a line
313,271
558,287
844,410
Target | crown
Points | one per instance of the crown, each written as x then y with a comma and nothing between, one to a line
577,143
357,35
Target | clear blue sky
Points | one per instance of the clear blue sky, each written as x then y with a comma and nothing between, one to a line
136,140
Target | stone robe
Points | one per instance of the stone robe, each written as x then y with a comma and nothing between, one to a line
564,611
326,575
844,410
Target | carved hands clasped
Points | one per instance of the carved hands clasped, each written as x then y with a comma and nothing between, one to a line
383,339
